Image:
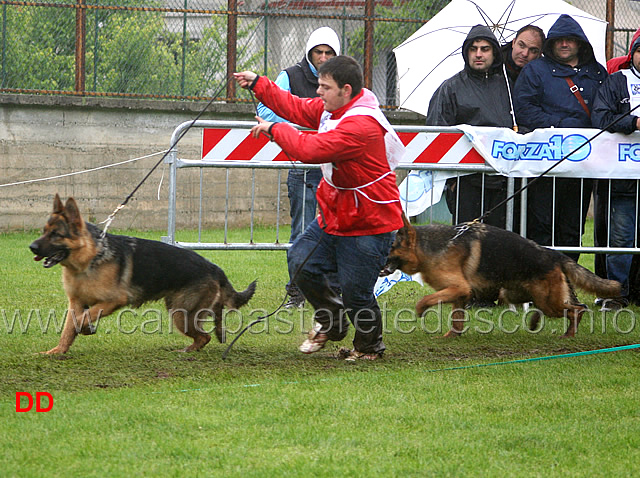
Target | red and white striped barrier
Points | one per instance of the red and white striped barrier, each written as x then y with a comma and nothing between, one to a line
230,144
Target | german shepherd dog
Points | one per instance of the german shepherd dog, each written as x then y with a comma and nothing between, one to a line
474,259
101,275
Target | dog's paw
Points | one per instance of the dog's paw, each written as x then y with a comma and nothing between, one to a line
54,351
451,334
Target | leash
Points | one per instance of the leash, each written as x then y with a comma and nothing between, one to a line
620,348
504,201
538,359
107,222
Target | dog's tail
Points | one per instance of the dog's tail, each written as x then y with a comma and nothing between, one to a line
238,299
586,280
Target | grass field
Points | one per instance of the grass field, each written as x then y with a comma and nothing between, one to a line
127,404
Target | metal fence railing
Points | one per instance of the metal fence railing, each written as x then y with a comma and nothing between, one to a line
516,220
185,49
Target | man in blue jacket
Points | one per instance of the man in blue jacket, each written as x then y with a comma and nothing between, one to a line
557,90
619,93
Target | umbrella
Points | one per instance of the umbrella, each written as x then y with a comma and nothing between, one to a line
424,62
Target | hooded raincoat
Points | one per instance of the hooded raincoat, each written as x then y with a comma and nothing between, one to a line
556,210
614,98
471,97
479,99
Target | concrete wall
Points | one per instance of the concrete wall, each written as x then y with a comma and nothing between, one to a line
48,136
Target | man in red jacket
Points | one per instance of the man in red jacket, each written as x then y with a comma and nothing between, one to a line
358,199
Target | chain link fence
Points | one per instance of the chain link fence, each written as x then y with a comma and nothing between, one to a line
186,49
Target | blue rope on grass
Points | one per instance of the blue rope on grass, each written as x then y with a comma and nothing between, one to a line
461,367
536,359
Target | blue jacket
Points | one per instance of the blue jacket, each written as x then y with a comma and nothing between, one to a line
610,103
542,97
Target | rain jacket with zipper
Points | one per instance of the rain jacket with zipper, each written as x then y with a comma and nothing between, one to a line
543,99
477,99
356,148
471,97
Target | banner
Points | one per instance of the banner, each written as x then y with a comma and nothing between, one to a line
383,284
609,156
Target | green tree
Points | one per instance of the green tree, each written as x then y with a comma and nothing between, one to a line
38,48
126,52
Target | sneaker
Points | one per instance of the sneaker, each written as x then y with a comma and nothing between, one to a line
598,302
353,355
295,301
614,304
316,340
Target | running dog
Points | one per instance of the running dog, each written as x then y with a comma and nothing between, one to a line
474,259
102,274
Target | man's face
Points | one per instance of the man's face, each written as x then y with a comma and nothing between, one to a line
333,96
635,59
320,54
566,50
526,47
480,56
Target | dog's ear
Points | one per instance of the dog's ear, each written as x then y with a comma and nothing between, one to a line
405,219
409,231
57,205
72,213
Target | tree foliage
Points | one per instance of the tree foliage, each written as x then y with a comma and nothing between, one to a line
125,52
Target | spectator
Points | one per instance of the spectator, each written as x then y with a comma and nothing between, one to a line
301,80
544,97
616,97
478,95
525,47
622,62
358,199
601,203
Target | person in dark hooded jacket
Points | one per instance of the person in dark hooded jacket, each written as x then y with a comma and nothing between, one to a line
479,96
616,97
544,97
601,202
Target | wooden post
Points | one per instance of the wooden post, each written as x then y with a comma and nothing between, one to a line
368,43
232,39
608,42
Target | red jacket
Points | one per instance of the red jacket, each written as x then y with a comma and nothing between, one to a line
356,147
622,62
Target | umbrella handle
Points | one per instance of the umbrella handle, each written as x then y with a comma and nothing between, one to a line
513,114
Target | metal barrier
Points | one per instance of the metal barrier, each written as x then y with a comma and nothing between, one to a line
177,163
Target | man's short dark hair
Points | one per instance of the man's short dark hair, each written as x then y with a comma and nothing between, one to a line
534,29
344,70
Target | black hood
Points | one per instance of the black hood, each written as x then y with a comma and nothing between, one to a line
482,32
565,26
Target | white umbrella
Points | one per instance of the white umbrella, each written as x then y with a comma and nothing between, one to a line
433,53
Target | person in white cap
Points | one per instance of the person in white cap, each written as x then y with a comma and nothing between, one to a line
301,80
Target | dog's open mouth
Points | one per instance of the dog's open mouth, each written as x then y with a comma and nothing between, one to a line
387,270
52,260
